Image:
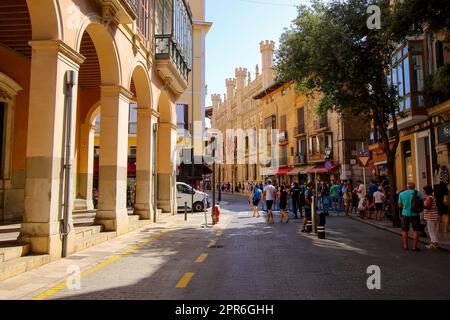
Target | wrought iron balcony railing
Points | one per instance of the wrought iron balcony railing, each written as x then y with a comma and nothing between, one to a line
173,34
166,48
300,159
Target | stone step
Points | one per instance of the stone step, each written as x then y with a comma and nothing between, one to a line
20,265
87,231
12,250
138,224
93,240
133,218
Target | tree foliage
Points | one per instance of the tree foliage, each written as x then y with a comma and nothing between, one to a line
330,49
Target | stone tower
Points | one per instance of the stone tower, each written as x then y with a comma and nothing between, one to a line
267,49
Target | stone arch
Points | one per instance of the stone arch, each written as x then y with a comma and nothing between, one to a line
85,163
165,108
141,80
93,113
105,46
46,19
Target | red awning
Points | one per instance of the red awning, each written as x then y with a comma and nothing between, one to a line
321,169
283,171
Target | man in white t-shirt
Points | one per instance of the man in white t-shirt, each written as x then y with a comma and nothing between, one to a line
269,197
379,198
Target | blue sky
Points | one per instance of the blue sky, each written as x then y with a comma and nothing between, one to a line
238,28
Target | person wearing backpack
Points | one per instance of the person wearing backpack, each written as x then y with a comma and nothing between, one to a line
411,204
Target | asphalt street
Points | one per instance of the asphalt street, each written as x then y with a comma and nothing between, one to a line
248,259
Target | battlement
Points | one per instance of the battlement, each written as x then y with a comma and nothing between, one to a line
241,72
267,45
216,97
230,82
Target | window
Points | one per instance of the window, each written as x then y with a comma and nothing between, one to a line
183,116
301,120
182,188
132,123
407,75
143,21
301,147
439,48
283,123
407,158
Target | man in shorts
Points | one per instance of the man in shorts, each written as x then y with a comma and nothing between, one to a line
408,216
256,198
269,195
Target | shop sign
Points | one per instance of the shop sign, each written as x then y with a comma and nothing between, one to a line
444,133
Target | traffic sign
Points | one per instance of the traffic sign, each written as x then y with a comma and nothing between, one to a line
364,158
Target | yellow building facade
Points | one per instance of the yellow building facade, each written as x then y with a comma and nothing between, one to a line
304,141
63,64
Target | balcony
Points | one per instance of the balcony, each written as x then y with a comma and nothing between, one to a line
320,124
282,136
122,11
173,43
299,130
300,159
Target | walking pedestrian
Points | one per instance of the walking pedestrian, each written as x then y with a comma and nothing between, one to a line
379,198
431,216
269,196
334,191
347,198
256,198
295,194
283,203
409,203
308,204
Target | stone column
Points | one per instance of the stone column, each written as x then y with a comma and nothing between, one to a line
112,203
144,165
166,139
85,175
44,183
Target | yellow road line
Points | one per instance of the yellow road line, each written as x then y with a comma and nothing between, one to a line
185,280
219,233
62,285
201,258
212,244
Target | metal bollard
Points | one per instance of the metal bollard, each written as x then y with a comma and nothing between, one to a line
321,226
185,211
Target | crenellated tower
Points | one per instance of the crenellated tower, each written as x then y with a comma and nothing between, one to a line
267,49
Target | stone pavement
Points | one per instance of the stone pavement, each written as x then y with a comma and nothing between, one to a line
444,238
242,258
30,284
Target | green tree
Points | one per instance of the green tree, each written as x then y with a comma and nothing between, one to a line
330,48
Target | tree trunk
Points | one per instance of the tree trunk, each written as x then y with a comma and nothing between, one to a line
393,194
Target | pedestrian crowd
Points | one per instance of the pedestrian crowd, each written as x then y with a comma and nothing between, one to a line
371,203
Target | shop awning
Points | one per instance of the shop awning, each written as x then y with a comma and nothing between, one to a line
268,171
283,171
322,169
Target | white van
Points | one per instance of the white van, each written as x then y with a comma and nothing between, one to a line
184,195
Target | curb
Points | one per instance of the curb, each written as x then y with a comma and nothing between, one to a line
447,248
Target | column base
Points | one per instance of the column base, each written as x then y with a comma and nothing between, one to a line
113,220
145,213
45,238
83,204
